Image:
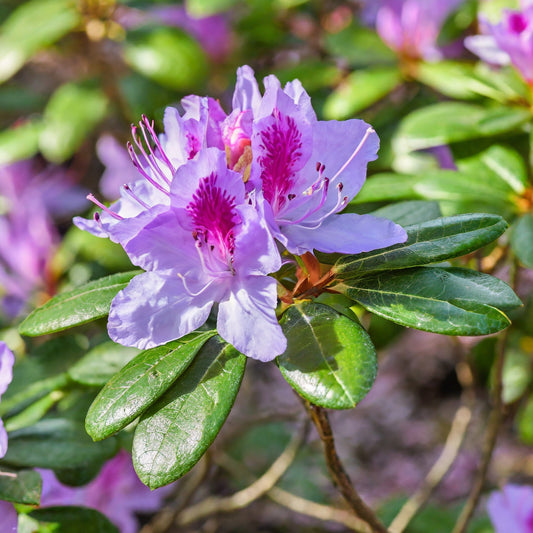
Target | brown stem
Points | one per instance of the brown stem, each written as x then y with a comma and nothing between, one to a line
489,440
337,472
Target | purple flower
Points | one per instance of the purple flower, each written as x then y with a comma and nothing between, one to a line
308,170
28,197
511,509
8,518
210,246
411,27
7,360
119,167
116,492
509,41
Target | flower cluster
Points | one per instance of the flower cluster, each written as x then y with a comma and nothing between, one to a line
410,27
222,196
509,41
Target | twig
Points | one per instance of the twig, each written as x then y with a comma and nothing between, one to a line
438,471
165,517
337,472
489,440
242,498
450,451
295,503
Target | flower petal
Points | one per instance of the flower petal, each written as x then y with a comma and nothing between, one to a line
8,518
345,234
247,318
246,94
3,439
7,359
153,310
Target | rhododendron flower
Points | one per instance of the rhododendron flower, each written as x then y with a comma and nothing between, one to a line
8,518
308,171
116,492
411,27
7,360
511,509
508,41
210,246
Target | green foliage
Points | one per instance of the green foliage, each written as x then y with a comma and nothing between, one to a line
330,359
20,486
522,239
429,242
71,519
140,383
177,430
82,305
452,301
167,56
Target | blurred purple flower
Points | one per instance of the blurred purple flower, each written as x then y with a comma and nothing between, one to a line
7,359
308,171
508,41
210,246
212,32
511,509
116,492
119,168
8,518
29,196
410,27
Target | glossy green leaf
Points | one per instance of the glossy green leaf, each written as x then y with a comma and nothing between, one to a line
34,412
70,115
71,519
32,26
24,487
452,301
20,142
140,383
359,90
359,47
168,56
101,363
330,359
82,305
56,443
500,166
429,242
456,121
440,185
409,213
43,371
522,239
177,430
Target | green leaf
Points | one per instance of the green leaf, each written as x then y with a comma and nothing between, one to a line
517,370
429,242
20,142
204,8
501,166
359,90
101,363
446,186
33,26
330,359
82,305
43,371
70,115
456,121
140,383
522,239
168,56
409,213
71,519
524,421
56,443
452,301
359,46
24,487
177,430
